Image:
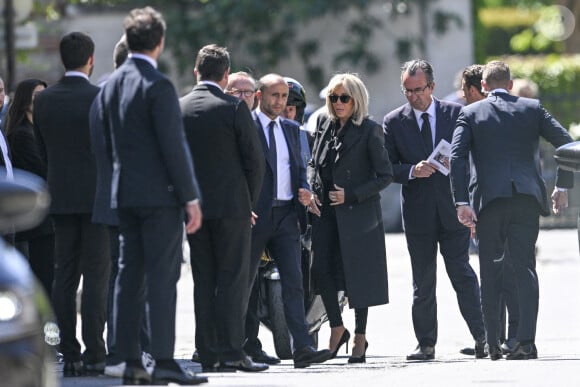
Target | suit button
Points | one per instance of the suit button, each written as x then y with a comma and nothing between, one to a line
170,188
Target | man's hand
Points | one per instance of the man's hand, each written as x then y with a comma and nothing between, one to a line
253,218
304,196
194,217
336,197
466,216
559,200
423,169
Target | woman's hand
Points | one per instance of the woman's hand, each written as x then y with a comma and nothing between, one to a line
336,197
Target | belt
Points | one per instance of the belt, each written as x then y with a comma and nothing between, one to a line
281,203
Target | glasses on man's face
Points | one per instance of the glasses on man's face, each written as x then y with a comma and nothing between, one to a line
240,93
344,98
417,91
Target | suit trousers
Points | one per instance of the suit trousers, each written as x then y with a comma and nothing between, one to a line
282,239
149,268
515,220
112,356
81,248
39,251
220,264
454,246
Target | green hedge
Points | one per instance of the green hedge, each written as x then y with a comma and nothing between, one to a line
558,78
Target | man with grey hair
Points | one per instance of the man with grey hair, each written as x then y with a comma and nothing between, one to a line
502,135
429,219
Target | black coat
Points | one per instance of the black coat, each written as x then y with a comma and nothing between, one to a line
363,169
503,132
61,120
152,165
25,154
226,151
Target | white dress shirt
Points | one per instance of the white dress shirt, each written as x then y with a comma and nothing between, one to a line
283,164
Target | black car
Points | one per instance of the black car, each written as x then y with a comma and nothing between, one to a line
26,321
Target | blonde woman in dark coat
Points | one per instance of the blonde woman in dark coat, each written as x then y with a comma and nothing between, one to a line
349,167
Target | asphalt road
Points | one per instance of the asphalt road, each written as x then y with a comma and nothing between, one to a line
391,337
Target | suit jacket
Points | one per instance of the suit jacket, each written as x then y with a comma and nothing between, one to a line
226,151
363,169
425,201
102,211
502,132
291,132
152,165
61,122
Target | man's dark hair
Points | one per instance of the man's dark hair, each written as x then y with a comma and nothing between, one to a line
472,76
411,67
144,29
75,50
212,62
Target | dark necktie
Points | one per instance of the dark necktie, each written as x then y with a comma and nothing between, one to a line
273,158
426,133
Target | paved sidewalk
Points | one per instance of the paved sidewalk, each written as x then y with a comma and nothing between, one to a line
391,337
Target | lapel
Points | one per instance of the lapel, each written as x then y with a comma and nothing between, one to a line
262,139
351,136
443,126
290,142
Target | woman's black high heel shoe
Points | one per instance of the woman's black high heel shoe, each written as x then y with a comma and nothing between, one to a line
343,340
360,359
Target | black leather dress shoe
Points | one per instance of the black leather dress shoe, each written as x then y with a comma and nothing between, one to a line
422,353
306,356
246,364
523,352
263,357
162,376
494,352
217,367
480,351
94,369
72,368
136,376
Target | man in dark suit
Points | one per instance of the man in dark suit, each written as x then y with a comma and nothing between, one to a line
472,92
226,150
284,191
61,121
104,214
429,219
153,181
502,133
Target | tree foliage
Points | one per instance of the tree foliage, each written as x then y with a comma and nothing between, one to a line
268,30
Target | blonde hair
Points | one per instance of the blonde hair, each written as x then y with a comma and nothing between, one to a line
357,91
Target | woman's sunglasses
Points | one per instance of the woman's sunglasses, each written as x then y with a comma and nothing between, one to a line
343,98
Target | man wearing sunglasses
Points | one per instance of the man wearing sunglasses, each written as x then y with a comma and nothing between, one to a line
429,216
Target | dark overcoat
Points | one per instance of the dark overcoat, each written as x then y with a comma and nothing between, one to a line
363,169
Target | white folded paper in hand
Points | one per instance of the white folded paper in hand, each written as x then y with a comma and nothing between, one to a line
440,157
